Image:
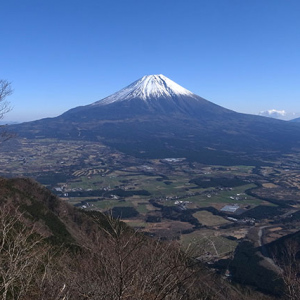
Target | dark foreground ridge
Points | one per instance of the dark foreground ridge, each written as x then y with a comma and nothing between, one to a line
51,250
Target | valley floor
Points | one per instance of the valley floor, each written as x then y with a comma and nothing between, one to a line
210,208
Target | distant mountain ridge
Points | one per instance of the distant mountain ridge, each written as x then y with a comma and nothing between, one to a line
295,120
155,117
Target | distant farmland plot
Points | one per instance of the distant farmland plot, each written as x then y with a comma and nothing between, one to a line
208,219
206,241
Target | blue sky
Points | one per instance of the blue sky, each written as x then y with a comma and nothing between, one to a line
243,55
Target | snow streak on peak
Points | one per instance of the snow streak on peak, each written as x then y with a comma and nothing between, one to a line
150,86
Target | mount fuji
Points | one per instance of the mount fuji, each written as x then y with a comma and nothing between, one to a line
152,94
154,117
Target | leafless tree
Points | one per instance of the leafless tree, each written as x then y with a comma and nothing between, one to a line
20,254
52,283
122,264
287,258
5,91
114,263
29,268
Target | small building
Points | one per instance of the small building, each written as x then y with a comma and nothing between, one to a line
230,208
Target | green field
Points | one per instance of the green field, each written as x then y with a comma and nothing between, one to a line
204,241
208,219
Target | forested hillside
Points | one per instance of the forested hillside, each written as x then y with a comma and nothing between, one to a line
51,250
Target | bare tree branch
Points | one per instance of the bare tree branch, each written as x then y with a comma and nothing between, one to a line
5,90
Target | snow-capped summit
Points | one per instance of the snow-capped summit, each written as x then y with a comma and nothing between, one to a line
148,87
153,94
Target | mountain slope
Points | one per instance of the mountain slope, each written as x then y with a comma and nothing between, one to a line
50,250
154,118
295,120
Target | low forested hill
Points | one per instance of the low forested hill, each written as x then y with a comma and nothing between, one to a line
51,250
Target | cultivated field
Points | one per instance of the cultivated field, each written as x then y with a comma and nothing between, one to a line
172,198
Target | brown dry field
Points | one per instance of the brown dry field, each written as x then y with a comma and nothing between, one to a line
269,185
208,219
167,228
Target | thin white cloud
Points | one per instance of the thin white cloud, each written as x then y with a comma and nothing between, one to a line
273,113
279,114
